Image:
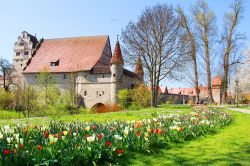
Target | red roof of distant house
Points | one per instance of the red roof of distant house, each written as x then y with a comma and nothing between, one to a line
217,81
117,56
183,91
72,54
6,78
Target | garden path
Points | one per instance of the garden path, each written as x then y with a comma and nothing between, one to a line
240,110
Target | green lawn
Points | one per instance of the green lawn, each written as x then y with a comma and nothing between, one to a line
230,146
123,115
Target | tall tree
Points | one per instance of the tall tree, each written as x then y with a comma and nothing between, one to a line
6,69
46,81
230,40
156,38
190,39
205,25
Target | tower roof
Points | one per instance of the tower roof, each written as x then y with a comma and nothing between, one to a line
217,81
117,56
138,67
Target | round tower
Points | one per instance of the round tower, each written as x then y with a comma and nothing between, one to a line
116,72
139,70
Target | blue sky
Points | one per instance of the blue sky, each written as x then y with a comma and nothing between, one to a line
64,18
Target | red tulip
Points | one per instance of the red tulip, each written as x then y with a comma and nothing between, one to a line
152,130
86,135
99,136
94,127
6,152
108,144
138,133
46,134
157,131
25,130
40,147
119,152
21,146
56,135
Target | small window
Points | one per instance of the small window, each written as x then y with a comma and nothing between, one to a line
65,76
21,64
54,63
35,76
17,60
103,75
102,92
96,92
18,54
21,44
86,75
85,93
113,75
26,53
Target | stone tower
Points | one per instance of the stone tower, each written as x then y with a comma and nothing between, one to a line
23,49
116,72
139,70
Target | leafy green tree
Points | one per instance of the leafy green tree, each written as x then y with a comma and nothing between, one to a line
46,81
141,96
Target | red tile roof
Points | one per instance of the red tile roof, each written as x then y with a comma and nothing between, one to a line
6,78
182,91
73,54
117,56
217,81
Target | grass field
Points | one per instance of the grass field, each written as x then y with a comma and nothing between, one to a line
230,146
123,115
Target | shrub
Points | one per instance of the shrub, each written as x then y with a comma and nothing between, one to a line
170,100
71,109
124,98
141,96
6,99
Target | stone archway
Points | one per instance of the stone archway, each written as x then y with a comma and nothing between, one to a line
100,108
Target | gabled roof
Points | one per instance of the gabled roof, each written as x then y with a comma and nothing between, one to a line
72,54
33,39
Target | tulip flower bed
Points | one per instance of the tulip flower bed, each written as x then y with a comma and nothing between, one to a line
99,143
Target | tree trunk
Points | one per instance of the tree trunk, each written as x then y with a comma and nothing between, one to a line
225,79
196,83
196,80
210,95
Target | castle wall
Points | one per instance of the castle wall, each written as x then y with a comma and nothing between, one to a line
93,88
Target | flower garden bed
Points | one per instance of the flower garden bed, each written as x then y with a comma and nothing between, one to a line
99,143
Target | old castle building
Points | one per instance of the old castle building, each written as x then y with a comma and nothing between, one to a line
99,74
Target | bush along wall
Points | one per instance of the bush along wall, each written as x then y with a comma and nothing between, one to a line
99,143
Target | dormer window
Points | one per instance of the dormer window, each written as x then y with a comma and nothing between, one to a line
18,54
21,44
56,63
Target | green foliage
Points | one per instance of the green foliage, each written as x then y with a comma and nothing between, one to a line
6,99
124,98
29,102
141,96
170,100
